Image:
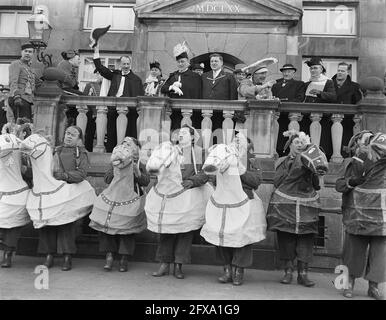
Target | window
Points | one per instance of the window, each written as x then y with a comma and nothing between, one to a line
333,21
86,68
4,73
331,66
14,23
120,16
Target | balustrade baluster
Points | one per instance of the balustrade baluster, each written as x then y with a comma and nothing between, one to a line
206,128
275,131
101,126
186,116
121,123
295,118
357,126
336,136
81,119
316,128
227,126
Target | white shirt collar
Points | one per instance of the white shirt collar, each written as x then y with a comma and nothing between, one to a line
216,73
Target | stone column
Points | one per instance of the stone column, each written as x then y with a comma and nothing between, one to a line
275,131
316,128
186,116
206,128
81,119
357,124
336,136
101,126
121,123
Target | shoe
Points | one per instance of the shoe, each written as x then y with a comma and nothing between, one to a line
178,271
238,276
164,269
7,259
49,263
227,276
348,293
373,291
67,262
289,268
303,275
109,261
123,264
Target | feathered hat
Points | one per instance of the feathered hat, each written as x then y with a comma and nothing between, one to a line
316,61
260,65
181,51
155,64
95,34
292,134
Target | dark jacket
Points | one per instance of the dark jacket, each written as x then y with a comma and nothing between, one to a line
133,84
252,178
73,163
292,90
224,87
327,96
191,85
141,181
349,93
189,173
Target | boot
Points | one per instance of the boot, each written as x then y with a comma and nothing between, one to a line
7,259
227,276
49,261
67,262
289,268
163,270
123,264
178,271
303,275
373,291
238,276
109,261
348,293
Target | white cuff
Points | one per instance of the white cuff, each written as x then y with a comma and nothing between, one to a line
96,55
358,159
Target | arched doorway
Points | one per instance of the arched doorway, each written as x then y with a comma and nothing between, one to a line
229,61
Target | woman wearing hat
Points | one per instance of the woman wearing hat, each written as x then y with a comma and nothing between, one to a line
320,89
154,81
198,68
287,88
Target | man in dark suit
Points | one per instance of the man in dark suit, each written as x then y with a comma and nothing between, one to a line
217,84
124,83
347,91
287,88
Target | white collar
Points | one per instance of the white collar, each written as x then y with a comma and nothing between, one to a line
125,74
216,73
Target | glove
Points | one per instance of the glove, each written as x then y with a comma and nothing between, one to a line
315,182
177,90
353,182
187,184
177,84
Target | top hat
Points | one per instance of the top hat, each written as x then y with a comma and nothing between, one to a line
96,34
288,66
315,61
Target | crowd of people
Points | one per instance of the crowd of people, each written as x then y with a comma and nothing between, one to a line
294,207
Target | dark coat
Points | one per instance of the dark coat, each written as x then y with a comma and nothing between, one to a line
294,182
188,172
224,87
191,85
73,164
327,96
252,178
292,90
133,84
349,93
142,181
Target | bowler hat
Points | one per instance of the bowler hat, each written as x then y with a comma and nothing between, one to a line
288,66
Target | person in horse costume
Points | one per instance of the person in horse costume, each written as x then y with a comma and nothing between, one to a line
118,213
61,196
363,188
13,197
175,206
235,216
293,211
